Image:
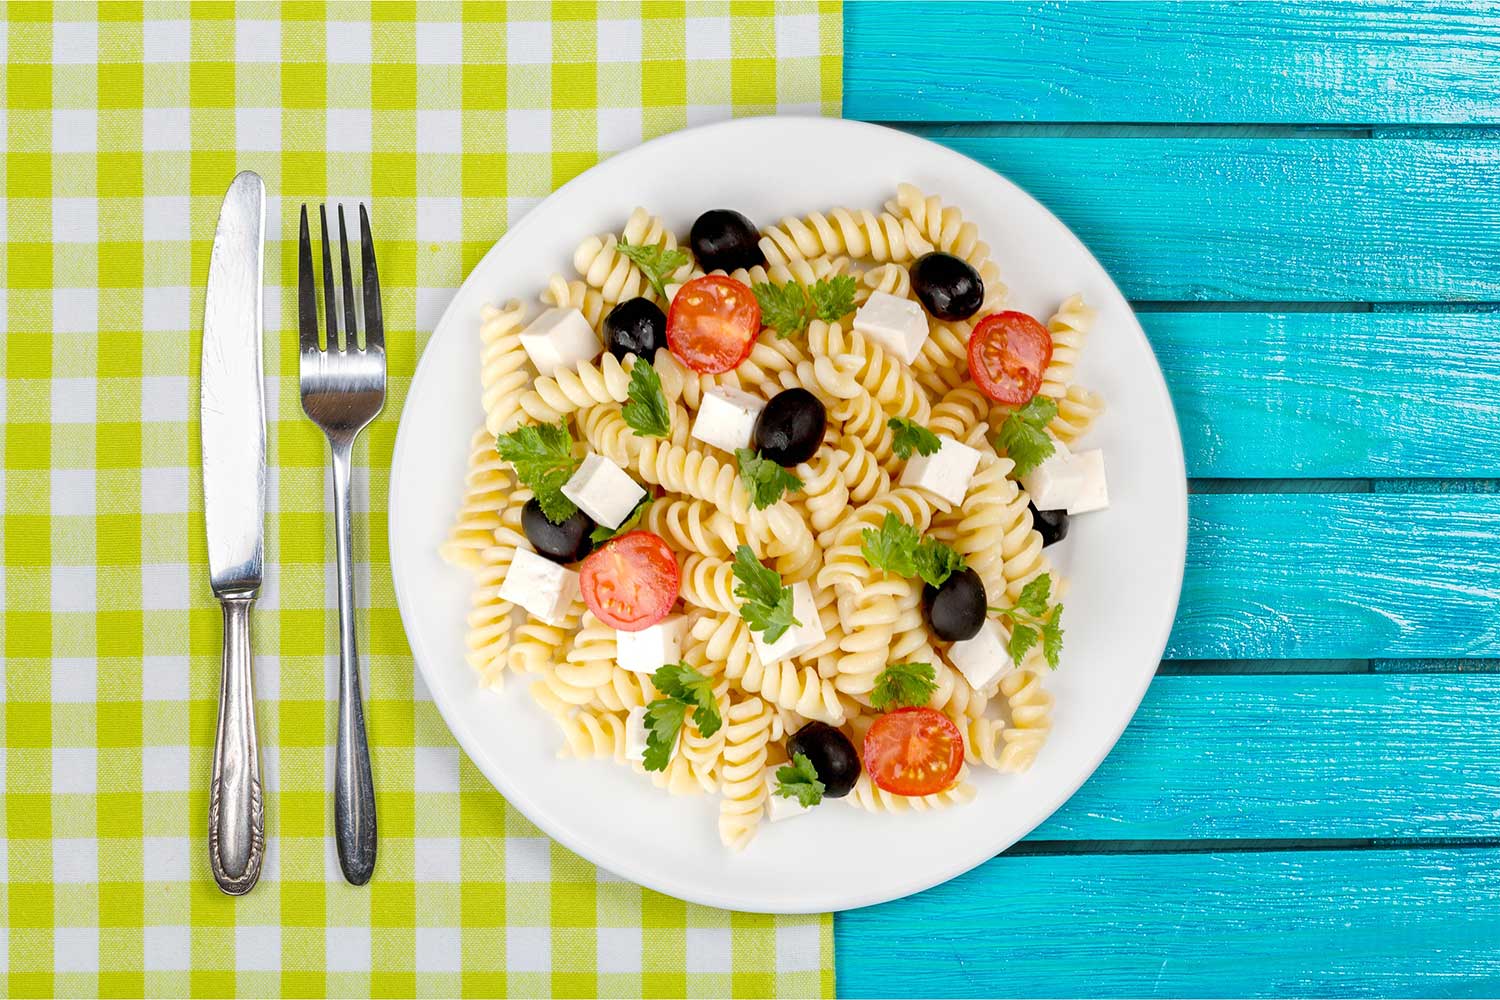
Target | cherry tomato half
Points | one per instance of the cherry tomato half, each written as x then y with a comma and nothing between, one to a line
630,582
1008,352
713,323
913,751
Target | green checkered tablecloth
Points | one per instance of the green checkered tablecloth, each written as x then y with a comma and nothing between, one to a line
122,128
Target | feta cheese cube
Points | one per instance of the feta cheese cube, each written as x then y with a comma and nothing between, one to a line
651,648
560,338
983,660
895,323
727,418
798,638
603,491
947,472
1054,484
540,585
779,807
1093,489
635,734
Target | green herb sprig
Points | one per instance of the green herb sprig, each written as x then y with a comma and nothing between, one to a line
1032,619
543,457
790,307
683,690
766,605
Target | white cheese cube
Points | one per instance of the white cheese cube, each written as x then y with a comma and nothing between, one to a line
560,338
798,638
603,491
1093,489
779,807
635,734
946,472
983,660
1054,484
727,418
651,648
895,323
540,585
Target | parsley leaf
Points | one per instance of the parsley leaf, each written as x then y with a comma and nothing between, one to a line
765,480
767,605
1032,620
789,308
542,455
663,722
682,688
935,562
799,780
891,547
912,437
656,262
1024,438
903,685
602,534
646,409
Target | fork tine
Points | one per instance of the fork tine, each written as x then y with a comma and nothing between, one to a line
307,295
370,285
330,304
351,328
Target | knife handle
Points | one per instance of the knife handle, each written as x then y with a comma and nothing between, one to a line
236,810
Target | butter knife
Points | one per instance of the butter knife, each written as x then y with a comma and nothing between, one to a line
232,414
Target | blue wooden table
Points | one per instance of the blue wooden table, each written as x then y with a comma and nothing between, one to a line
1304,204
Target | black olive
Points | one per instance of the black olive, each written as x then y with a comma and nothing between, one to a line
791,427
947,286
956,609
724,239
1052,525
831,754
636,326
564,543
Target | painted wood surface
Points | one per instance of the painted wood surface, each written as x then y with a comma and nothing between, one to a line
1295,756
1271,220
1284,923
1324,395
1352,575
1387,62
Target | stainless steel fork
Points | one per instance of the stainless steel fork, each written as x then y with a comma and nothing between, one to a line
343,388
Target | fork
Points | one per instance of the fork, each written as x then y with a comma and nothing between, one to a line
343,388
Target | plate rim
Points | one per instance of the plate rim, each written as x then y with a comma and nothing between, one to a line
683,889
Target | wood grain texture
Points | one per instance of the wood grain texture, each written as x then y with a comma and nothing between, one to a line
1294,923
1327,395
1340,576
1271,220
1286,756
1385,62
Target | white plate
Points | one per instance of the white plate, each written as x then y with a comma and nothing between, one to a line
1126,563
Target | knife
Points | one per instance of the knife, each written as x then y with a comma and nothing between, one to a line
232,412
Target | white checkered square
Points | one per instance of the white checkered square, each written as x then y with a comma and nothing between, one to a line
436,769
528,130
75,949
528,949
348,42
710,949
75,860
257,949
348,132
164,769
75,130
348,948
439,949
258,129
440,220
165,586
440,130
528,859
75,770
73,588
168,949
619,128
74,681
75,220
618,42
165,678
74,400
619,949
164,490
166,42
257,41
437,859
439,43
167,218
797,950
75,43
168,130
75,310
167,309
164,399
797,36
707,38
167,859
528,43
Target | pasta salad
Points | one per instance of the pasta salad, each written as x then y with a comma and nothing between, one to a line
764,514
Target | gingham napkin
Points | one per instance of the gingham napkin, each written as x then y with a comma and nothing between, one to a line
122,129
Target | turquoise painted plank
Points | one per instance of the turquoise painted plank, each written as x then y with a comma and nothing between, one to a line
1271,220
1386,62
1288,756
1354,576
1327,395
1419,923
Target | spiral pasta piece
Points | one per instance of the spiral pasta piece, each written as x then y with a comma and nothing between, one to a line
693,526
709,583
869,623
694,473
868,364
488,634
943,362
561,293
1077,410
486,485
892,279
871,798
587,383
959,412
1069,327
783,684
825,495
852,232
747,735
943,226
589,734
503,366
1030,709
987,514
863,474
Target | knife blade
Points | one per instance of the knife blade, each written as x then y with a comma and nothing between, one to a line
233,425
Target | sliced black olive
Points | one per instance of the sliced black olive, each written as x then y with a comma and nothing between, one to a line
791,427
565,543
635,326
831,754
956,609
947,285
1052,525
723,240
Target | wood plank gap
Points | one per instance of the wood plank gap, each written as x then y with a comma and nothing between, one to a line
1236,668
1145,306
1456,486
1462,665
1131,130
1221,486
1059,848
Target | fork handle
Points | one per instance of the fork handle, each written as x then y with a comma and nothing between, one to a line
353,788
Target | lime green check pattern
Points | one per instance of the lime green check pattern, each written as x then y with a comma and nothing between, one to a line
122,127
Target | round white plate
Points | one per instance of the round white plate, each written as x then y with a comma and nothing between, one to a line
1125,563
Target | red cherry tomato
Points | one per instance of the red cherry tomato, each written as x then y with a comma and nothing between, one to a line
1008,352
630,582
913,751
712,324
